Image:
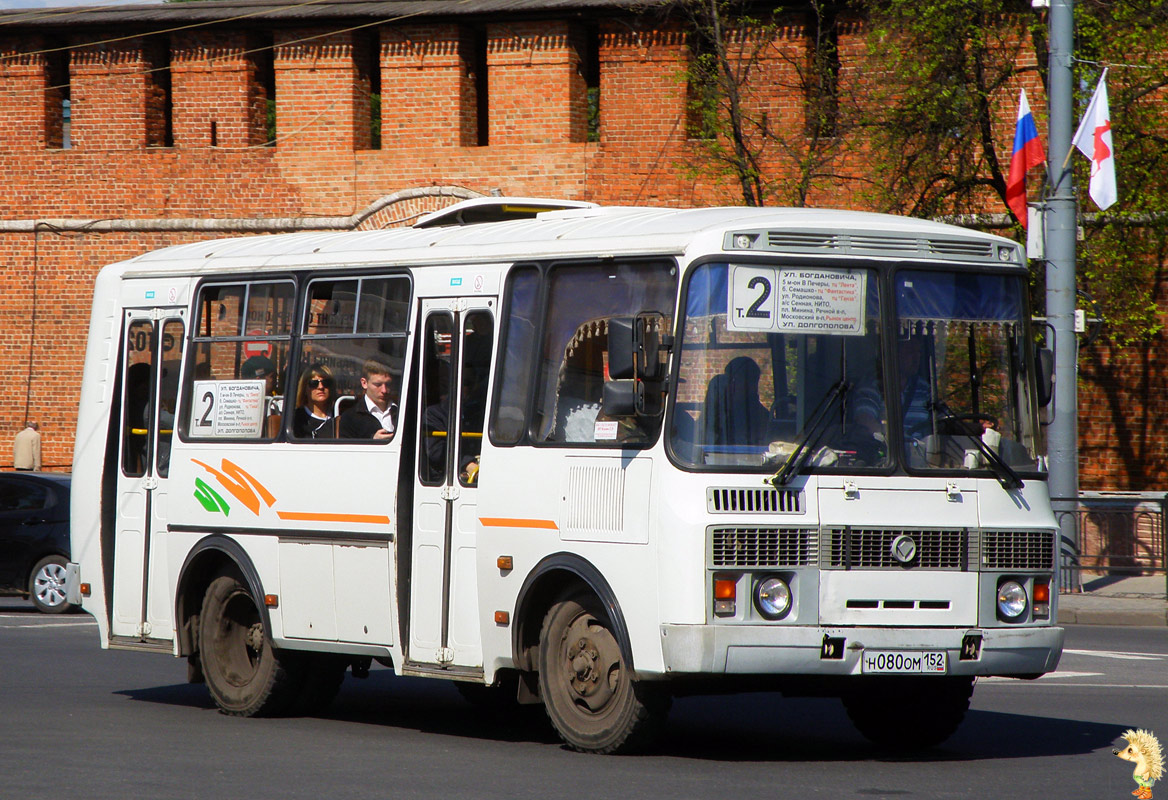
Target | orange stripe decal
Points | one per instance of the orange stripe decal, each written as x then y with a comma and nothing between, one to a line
309,516
506,522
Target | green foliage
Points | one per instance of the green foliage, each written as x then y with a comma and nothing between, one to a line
375,119
952,67
1121,258
734,135
946,65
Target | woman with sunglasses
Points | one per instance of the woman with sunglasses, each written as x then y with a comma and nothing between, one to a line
313,418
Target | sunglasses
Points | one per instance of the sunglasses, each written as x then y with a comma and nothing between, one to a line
316,383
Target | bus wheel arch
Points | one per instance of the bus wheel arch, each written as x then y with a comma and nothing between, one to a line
207,560
543,587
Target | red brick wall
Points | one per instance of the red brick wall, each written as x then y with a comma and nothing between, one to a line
428,89
216,88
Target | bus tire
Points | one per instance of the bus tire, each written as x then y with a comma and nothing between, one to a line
909,713
589,690
246,675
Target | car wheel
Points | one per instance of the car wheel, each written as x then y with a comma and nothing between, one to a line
46,586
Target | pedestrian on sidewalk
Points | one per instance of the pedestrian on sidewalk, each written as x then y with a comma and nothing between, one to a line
26,449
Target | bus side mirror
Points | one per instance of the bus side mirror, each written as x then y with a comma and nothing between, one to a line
635,345
1044,365
635,368
622,348
619,399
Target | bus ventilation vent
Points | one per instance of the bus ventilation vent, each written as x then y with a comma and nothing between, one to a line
754,501
866,548
884,244
764,547
784,240
1017,550
965,249
961,247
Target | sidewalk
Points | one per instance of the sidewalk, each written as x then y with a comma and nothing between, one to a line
1116,600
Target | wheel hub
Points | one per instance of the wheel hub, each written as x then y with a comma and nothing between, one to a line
255,637
593,664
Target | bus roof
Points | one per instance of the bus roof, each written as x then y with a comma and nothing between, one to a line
612,231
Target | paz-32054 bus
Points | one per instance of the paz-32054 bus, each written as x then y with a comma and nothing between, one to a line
594,458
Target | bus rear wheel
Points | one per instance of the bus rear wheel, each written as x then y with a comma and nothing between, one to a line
587,686
909,713
245,674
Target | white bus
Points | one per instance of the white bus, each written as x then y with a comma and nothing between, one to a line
595,458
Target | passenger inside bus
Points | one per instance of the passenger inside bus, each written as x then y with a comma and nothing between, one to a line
313,418
374,414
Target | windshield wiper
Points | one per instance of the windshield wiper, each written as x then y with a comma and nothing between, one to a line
1002,471
804,445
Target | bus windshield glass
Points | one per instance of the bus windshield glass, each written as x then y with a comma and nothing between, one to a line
962,372
780,365
771,361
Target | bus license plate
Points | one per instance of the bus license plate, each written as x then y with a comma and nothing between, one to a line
913,662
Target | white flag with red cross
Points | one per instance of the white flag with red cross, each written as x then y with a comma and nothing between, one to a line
1093,138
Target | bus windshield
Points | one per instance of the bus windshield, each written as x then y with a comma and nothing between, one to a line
780,364
963,375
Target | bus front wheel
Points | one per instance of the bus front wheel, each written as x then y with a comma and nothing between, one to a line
588,688
245,674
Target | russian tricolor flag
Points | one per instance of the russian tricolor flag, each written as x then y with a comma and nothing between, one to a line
1027,153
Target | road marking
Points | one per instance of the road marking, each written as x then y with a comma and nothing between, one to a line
88,624
1120,655
1061,685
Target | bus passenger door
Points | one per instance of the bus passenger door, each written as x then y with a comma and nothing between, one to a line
457,341
152,356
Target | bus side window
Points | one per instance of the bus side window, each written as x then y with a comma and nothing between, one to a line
351,325
516,357
239,361
574,348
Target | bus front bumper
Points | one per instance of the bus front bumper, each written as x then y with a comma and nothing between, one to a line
786,650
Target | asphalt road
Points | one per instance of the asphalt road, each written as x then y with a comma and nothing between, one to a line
86,723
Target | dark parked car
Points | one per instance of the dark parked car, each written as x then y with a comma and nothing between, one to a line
34,538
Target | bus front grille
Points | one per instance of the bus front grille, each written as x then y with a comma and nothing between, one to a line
764,547
868,548
1017,550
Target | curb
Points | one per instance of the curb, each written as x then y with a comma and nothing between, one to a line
1144,617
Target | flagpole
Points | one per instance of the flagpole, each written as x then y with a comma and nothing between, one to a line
1060,220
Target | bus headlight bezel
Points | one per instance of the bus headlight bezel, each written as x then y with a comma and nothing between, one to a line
772,597
1012,600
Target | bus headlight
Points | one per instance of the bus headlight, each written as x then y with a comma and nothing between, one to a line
1011,600
772,597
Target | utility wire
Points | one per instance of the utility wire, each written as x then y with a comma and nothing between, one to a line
237,53
114,40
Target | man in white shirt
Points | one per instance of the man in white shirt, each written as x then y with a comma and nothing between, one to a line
373,415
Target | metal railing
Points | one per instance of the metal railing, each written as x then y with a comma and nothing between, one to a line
1118,534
